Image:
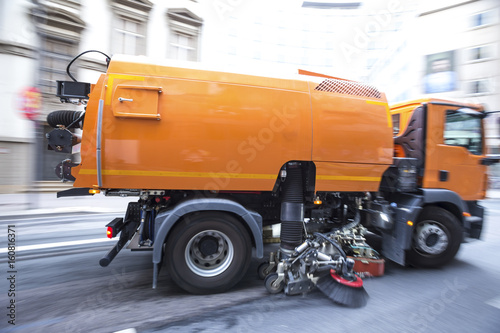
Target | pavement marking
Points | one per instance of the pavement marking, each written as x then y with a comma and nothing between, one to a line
128,330
494,302
29,223
58,218
60,244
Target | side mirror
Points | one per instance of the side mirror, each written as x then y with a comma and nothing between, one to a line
490,160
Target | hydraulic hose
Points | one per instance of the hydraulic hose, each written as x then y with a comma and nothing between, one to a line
334,243
66,118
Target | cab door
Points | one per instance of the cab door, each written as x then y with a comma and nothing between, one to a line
455,149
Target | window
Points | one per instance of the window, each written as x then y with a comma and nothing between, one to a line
69,3
480,53
184,47
463,128
130,26
477,87
54,58
60,31
482,19
129,37
395,123
185,28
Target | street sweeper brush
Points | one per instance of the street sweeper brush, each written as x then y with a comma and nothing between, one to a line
318,262
344,290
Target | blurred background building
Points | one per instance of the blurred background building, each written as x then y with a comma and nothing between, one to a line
407,48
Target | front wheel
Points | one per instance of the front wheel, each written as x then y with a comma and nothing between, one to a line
208,252
436,238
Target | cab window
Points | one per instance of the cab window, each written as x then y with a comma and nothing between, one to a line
464,129
395,123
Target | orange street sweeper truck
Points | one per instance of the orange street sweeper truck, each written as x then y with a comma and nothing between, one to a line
213,157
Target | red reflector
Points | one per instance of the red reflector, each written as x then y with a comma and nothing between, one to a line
109,232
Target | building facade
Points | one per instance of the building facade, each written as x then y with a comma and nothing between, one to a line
450,49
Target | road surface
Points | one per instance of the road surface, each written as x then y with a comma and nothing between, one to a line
59,287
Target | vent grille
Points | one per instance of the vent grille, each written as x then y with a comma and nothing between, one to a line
348,87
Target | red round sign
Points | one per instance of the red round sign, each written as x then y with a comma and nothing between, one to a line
30,102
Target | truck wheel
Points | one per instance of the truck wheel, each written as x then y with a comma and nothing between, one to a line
208,252
436,238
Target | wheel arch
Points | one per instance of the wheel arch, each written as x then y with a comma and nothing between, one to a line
453,209
447,200
165,221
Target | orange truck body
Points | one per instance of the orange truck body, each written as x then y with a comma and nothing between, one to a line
167,127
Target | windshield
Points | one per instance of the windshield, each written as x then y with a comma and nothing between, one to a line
464,129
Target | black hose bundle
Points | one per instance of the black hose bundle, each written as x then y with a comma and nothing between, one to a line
66,118
292,208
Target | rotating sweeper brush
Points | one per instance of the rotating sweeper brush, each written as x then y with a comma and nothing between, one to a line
318,262
345,290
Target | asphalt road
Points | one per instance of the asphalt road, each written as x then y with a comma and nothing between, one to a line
59,287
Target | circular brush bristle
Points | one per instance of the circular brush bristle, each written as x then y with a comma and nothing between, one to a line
353,297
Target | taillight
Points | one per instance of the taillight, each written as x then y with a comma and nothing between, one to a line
114,227
110,232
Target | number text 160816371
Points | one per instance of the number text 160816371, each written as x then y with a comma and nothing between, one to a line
11,274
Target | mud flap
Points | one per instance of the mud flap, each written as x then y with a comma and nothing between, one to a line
405,209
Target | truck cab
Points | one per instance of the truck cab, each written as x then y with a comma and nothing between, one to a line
447,141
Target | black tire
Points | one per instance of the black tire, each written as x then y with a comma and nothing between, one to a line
262,270
271,287
436,238
208,252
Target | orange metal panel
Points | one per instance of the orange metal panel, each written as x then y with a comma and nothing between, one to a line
224,131
348,176
349,129
212,135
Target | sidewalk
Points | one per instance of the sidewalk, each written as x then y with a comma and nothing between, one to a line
30,204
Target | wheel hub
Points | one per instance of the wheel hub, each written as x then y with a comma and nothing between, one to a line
209,253
208,245
431,238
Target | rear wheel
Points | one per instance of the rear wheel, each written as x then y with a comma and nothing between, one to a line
208,252
436,238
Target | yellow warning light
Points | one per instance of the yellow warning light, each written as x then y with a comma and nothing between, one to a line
94,191
466,214
410,223
317,201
